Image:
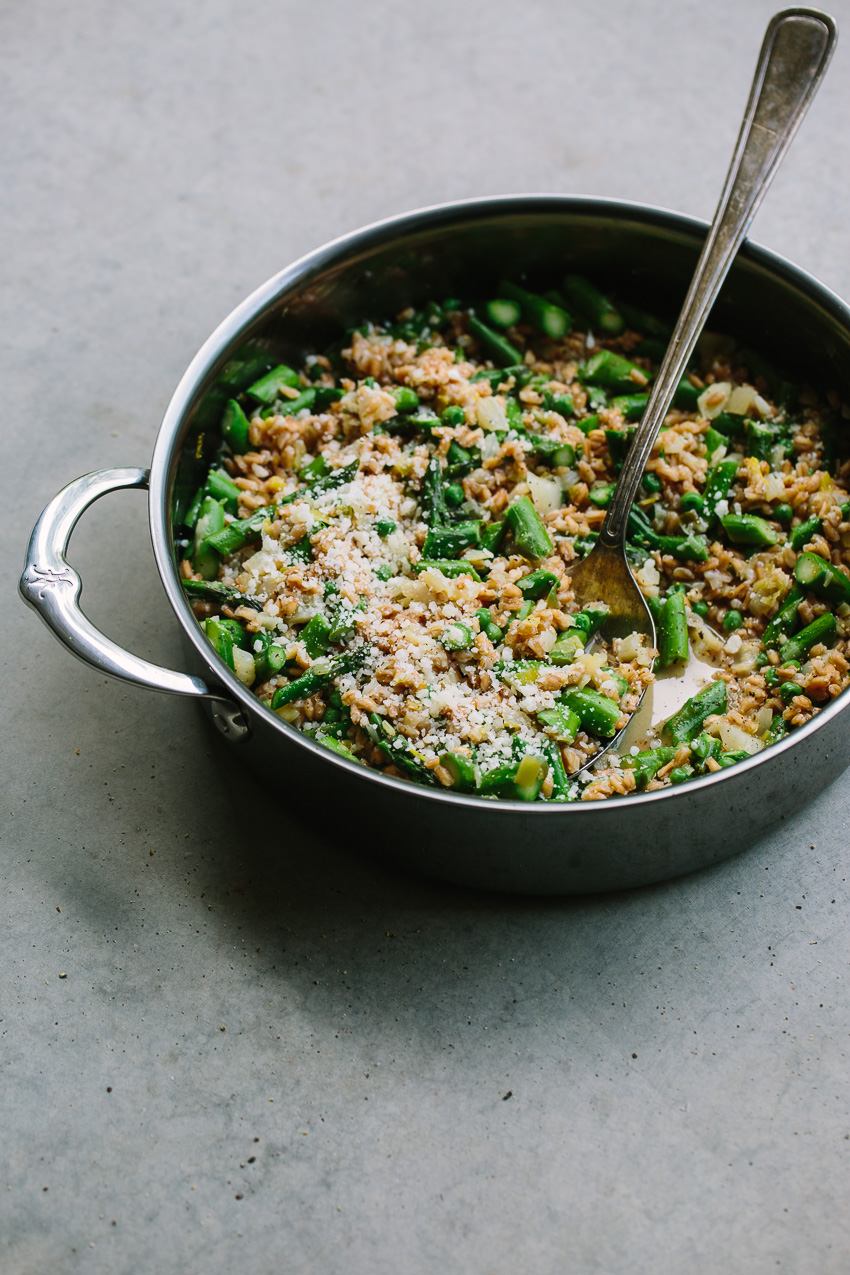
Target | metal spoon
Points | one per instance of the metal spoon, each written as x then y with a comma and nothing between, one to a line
797,48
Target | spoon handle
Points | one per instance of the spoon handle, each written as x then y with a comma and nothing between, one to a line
797,48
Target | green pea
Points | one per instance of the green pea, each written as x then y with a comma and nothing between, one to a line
700,608
453,416
783,513
732,620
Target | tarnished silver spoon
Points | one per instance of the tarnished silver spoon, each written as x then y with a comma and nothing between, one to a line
797,48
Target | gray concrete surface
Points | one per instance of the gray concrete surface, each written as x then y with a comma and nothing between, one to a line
227,1043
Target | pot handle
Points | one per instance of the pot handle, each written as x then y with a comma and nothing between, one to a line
52,588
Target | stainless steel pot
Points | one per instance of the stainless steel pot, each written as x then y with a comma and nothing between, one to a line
646,254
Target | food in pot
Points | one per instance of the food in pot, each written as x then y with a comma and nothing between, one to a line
381,548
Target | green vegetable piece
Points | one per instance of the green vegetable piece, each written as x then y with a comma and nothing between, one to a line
705,748
732,620
325,395
552,451
631,405
777,730
806,531
690,548
593,305
268,387
718,484
561,403
590,619
688,722
502,312
450,541
488,626
385,526
692,502
492,534
513,412
292,406
646,765
761,439
465,773
317,468
234,426
823,629
686,396
223,488
220,638
681,774
433,496
786,621
712,441
217,591
529,776
497,346
613,372
397,749
601,494
732,758
700,608
269,656
517,781
453,416
673,631
560,779
783,513
210,522
448,568
538,584
730,425
550,319
336,746
588,423
748,529
561,722
530,534
652,483
458,460
454,495
190,517
238,633
598,714
619,441
316,636
457,637
307,685
406,399
825,580
567,646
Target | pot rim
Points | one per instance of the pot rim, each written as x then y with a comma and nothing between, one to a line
372,235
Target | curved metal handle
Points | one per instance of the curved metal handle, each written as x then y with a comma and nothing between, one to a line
796,51
52,588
